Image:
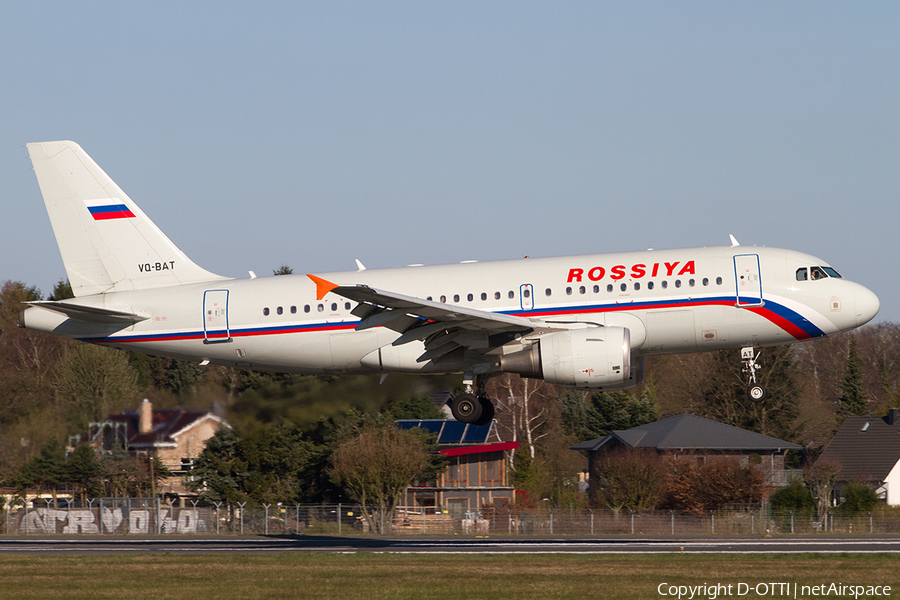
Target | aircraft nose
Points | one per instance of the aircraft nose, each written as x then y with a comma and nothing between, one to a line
867,305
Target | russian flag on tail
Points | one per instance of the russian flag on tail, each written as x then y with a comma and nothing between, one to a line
108,208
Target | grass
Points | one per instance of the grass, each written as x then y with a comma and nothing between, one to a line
448,577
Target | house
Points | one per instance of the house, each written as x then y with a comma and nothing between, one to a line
476,476
867,449
176,437
694,438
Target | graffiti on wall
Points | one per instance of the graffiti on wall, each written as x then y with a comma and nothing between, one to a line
114,520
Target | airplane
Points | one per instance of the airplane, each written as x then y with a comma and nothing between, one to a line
585,322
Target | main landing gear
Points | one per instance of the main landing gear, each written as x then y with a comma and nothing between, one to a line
473,406
756,391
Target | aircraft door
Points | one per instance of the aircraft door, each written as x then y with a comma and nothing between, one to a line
747,280
526,296
215,317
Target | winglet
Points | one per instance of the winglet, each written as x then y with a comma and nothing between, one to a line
734,242
323,286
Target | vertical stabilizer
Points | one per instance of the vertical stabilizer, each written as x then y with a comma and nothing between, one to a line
107,243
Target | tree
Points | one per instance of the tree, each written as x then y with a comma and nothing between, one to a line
83,472
854,400
630,480
94,382
283,270
700,487
375,465
412,408
524,408
274,463
587,417
857,496
47,470
62,290
724,398
820,479
794,496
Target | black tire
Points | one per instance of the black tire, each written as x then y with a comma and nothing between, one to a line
757,393
466,408
487,412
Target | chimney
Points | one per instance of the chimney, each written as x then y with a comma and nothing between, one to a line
145,422
893,416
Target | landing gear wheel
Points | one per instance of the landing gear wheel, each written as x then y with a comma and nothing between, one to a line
487,411
466,408
757,393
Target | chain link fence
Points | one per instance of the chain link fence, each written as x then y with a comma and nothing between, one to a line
142,516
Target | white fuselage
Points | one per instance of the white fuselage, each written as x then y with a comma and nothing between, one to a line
670,300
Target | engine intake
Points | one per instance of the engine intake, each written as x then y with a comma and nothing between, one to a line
593,358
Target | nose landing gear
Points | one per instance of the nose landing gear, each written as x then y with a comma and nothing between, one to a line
756,391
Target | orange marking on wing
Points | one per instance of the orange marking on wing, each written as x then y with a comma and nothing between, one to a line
323,286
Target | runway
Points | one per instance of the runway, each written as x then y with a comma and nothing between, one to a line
85,545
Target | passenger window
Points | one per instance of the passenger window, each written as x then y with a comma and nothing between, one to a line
691,282
444,299
470,297
718,281
705,281
483,296
623,287
581,290
266,311
547,291
334,307
802,274
346,306
455,297
306,308
568,291
526,292
678,283
293,310
320,308
511,294
596,289
665,284
649,285
496,295
609,288
279,310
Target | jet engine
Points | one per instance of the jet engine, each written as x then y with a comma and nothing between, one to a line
592,358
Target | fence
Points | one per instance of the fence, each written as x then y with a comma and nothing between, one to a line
105,516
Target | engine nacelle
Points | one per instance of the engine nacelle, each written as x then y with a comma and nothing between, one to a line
592,358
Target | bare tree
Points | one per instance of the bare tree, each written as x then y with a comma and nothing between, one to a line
820,479
630,479
375,465
525,405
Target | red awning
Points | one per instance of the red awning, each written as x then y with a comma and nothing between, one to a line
479,449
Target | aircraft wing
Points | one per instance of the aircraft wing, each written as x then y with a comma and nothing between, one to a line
442,327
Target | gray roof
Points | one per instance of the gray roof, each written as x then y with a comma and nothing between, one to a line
867,448
688,432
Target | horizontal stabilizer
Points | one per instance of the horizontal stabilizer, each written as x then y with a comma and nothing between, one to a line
90,313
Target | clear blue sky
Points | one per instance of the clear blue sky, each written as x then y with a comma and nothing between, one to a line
311,134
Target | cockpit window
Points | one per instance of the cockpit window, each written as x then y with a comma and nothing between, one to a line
817,273
814,273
